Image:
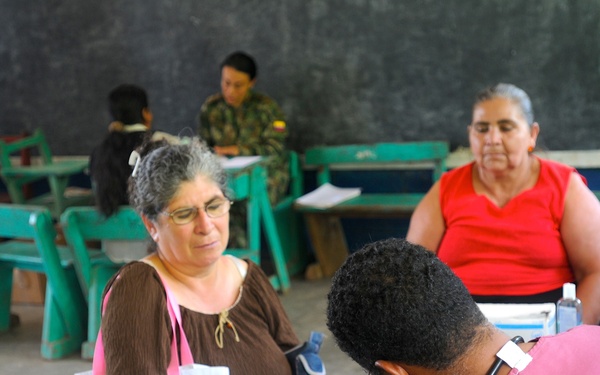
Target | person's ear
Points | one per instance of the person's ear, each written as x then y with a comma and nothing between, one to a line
151,228
535,131
392,368
147,116
253,82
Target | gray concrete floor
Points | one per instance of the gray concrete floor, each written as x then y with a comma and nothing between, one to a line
305,304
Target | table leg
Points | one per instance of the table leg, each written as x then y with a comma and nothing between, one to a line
328,241
270,229
58,185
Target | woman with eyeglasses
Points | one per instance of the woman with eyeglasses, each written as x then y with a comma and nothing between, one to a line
230,313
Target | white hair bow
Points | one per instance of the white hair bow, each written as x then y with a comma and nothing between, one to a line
134,161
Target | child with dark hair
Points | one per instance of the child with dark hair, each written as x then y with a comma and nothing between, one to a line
396,308
109,161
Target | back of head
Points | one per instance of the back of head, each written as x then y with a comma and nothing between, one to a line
396,301
242,62
110,169
163,167
510,92
126,103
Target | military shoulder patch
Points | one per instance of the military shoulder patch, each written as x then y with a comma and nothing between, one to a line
279,125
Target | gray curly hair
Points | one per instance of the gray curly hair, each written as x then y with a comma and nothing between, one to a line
511,92
163,167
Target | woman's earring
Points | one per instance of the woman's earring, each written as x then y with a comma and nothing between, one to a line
530,149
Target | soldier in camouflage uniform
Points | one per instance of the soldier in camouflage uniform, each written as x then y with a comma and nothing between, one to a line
240,122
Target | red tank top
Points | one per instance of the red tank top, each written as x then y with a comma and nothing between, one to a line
513,250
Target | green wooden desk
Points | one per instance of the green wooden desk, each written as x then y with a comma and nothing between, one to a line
325,227
324,224
249,183
57,174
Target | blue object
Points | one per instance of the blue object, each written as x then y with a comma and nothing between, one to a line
305,358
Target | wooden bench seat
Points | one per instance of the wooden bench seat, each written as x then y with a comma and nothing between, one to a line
372,205
22,254
324,225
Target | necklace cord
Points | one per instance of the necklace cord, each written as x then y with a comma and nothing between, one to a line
499,361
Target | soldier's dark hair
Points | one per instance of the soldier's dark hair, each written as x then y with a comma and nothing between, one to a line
396,301
126,103
163,167
243,62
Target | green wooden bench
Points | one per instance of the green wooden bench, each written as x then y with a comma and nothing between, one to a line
56,173
81,226
29,244
324,225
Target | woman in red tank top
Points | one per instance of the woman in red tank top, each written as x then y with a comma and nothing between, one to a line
514,227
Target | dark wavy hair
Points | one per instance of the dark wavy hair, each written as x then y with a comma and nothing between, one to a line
110,170
396,301
126,102
109,161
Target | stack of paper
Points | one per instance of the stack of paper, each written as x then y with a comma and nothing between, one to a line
327,195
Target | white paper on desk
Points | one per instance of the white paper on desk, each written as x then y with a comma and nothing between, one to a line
327,195
239,161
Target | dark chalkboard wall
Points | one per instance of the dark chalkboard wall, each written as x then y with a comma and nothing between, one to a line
353,71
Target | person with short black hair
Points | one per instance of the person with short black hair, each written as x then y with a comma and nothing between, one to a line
241,122
395,308
109,161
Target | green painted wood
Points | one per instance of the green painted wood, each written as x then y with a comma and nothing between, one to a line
57,174
259,219
378,154
268,224
36,140
289,222
25,255
372,205
325,229
239,184
29,228
94,269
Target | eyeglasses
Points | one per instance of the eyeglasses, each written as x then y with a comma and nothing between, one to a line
214,209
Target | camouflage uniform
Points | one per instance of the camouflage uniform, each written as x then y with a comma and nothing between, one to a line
257,127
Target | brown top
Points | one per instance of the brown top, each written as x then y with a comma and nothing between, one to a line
136,327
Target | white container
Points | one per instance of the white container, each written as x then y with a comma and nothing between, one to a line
528,320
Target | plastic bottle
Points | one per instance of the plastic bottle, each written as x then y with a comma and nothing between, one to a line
568,309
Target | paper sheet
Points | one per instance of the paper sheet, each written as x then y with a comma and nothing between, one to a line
328,195
239,161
